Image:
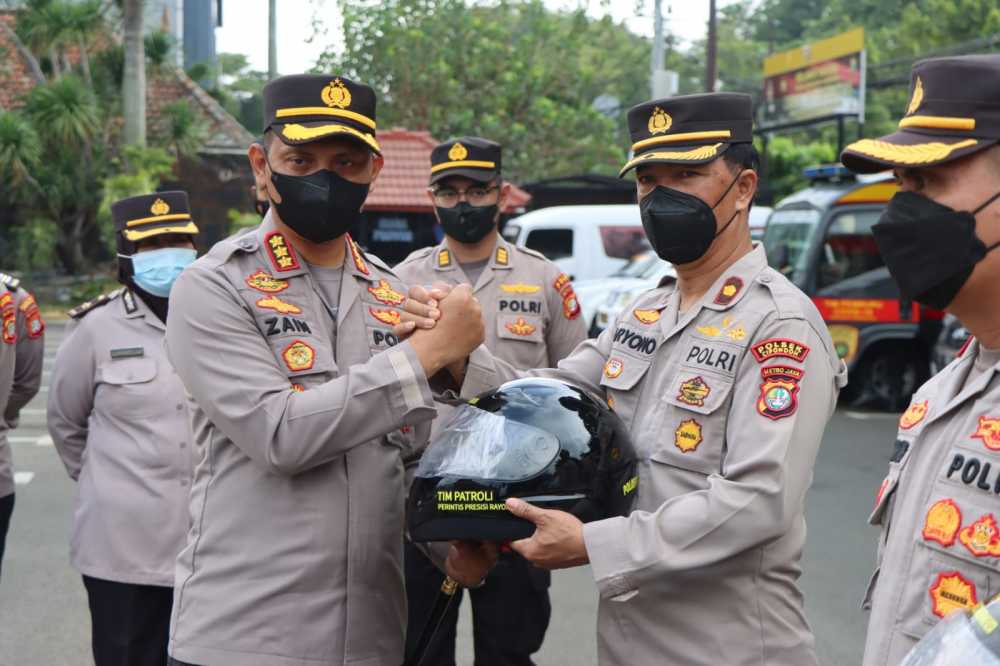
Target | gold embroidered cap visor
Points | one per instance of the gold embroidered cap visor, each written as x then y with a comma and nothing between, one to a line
667,154
297,133
909,149
143,230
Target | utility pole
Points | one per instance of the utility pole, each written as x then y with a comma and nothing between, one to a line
656,59
272,40
711,47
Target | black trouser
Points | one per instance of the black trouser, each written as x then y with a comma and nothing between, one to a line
510,613
174,662
130,624
6,509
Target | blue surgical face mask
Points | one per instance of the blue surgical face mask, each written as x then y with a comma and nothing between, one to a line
155,271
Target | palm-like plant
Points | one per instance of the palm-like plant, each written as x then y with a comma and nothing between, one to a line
185,131
20,151
65,112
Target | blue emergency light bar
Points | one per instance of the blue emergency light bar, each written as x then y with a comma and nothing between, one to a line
828,172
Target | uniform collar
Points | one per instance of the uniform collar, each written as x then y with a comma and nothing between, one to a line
501,259
954,389
733,285
284,260
135,308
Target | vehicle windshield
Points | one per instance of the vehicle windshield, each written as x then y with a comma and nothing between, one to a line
637,266
787,238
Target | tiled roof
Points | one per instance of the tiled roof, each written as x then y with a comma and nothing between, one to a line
15,76
402,185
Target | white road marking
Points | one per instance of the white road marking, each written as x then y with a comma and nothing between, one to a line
23,478
870,416
22,439
44,440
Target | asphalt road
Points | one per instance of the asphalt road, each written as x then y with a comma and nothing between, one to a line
43,608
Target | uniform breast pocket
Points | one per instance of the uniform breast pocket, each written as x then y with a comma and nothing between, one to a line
128,387
692,432
520,340
620,380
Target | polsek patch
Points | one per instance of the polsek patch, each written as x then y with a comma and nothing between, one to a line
782,347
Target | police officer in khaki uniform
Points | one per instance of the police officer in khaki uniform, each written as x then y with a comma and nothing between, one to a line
938,506
22,351
726,378
117,417
303,406
532,320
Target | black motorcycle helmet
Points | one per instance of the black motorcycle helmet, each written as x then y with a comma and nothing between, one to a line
541,440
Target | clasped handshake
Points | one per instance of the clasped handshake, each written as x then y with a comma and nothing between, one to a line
443,324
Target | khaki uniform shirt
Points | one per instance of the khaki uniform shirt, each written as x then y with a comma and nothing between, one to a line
295,552
939,548
118,419
22,353
726,404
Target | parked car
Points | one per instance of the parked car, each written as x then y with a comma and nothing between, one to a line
586,242
949,343
592,293
758,221
623,294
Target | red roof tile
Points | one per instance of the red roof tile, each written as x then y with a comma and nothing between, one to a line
402,185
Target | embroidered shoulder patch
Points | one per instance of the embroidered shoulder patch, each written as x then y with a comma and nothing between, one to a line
444,259
613,368
913,415
502,258
278,305
386,315
782,347
942,522
730,290
281,253
779,392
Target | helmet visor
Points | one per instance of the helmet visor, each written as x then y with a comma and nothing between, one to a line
476,444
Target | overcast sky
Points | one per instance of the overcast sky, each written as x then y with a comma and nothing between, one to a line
244,27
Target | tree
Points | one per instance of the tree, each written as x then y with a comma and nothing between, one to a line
512,70
134,83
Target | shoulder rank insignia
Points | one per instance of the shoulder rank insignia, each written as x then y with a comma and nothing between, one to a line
386,315
779,347
982,537
571,306
520,288
444,259
266,283
951,592
520,327
11,282
298,356
502,257
9,323
32,316
6,301
359,260
384,293
778,392
646,316
687,437
942,522
282,255
278,305
989,432
694,391
730,289
87,306
913,415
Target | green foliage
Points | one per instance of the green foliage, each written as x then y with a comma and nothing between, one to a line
239,90
139,171
31,246
787,158
239,219
158,46
20,151
64,111
185,130
512,70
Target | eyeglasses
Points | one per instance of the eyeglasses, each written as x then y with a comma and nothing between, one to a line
447,197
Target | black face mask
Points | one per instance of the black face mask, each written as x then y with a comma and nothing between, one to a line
680,226
930,249
468,224
319,207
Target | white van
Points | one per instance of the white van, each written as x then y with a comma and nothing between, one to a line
585,241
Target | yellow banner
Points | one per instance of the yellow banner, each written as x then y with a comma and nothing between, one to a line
852,41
